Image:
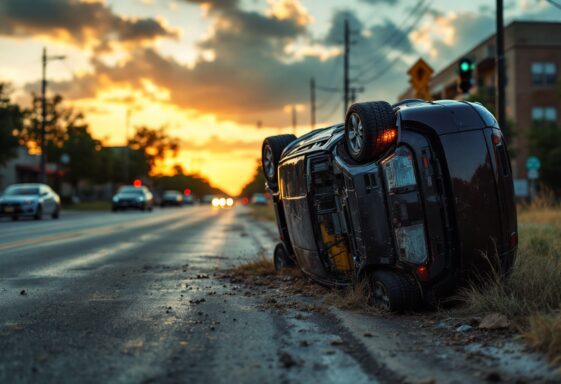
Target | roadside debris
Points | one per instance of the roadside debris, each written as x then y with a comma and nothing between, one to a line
494,321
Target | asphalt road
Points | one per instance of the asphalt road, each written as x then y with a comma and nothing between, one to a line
136,298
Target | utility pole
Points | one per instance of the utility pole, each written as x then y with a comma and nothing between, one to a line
312,103
346,50
294,119
500,67
354,91
43,161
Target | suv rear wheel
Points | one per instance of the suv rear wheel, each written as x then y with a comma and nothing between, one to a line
271,154
394,291
363,124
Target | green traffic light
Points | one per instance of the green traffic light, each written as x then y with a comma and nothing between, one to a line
464,66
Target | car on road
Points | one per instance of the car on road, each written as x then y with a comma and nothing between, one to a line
259,199
34,200
223,202
172,198
416,197
132,197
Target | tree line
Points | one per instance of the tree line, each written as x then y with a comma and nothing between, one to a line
83,158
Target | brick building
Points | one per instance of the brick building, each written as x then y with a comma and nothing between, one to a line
533,90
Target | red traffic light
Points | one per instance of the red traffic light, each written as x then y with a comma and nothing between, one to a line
187,192
137,183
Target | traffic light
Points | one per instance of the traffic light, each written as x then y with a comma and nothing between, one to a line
465,78
137,183
187,192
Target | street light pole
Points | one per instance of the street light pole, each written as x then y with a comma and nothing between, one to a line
43,163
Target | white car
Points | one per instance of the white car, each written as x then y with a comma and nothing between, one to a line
33,200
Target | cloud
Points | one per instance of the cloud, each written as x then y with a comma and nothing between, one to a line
446,36
81,23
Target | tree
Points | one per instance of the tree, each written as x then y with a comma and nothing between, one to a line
84,153
180,181
155,144
59,119
11,122
545,142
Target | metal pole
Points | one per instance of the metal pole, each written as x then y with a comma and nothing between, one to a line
312,103
43,163
500,64
346,68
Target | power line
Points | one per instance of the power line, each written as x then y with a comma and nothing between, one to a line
377,75
388,41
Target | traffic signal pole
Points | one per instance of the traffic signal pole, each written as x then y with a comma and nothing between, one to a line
500,67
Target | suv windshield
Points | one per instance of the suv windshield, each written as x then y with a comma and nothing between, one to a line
18,191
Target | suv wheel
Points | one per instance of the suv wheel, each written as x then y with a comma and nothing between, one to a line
271,153
281,258
394,291
363,123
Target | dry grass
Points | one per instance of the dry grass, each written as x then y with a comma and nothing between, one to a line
531,295
263,212
261,266
544,334
354,297
542,210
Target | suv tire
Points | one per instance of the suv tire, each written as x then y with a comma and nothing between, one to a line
394,291
271,154
363,123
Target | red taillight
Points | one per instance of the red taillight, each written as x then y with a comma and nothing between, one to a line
137,183
423,272
245,200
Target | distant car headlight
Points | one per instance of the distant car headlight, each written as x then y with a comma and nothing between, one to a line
229,201
411,243
222,202
215,202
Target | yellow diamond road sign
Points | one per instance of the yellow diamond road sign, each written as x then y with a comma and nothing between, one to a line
420,74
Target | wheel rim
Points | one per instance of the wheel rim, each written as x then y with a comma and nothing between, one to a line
355,134
269,163
381,298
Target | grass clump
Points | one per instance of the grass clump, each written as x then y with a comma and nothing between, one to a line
531,295
261,266
544,334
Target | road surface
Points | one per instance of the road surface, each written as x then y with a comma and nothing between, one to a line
138,298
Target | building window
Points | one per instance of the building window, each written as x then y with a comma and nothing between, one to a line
540,114
544,73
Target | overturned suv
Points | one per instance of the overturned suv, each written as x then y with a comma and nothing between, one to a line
416,197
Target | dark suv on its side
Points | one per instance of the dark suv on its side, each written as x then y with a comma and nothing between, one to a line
417,197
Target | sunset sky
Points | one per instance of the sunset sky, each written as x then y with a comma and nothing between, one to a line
211,70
